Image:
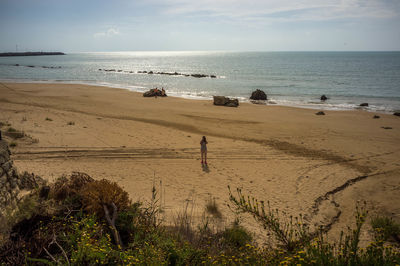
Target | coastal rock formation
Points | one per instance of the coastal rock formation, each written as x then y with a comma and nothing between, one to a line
364,104
161,73
155,92
324,98
225,101
258,95
232,103
199,75
11,183
397,114
30,53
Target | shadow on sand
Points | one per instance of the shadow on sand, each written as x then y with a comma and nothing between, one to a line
205,168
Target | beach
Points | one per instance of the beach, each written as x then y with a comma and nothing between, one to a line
302,163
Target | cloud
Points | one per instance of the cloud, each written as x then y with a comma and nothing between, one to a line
291,10
108,33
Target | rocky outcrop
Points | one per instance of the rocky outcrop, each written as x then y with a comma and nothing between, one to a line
11,183
195,75
225,101
258,95
154,93
31,53
8,178
324,98
364,105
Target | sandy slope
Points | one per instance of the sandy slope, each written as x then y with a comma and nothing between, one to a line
302,163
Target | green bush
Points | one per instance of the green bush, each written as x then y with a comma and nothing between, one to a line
384,227
15,134
236,236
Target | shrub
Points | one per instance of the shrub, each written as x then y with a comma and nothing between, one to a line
15,134
98,194
236,236
65,187
384,227
290,233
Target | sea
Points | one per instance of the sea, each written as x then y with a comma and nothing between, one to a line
288,78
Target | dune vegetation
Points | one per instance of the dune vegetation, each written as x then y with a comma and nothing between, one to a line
78,220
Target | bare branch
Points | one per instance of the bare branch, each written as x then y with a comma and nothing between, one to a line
111,222
48,253
54,241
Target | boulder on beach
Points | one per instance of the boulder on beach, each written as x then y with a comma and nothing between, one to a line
225,101
397,114
220,100
320,113
364,104
258,95
324,98
154,93
376,117
232,103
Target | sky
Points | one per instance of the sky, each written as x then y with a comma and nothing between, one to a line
199,25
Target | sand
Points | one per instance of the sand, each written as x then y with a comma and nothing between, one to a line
318,166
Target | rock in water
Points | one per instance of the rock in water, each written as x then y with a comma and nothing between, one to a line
364,104
324,98
258,95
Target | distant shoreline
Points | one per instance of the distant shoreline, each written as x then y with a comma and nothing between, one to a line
31,53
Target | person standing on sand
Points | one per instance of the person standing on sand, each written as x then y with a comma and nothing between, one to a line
203,149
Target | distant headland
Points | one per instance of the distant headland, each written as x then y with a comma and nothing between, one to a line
31,53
